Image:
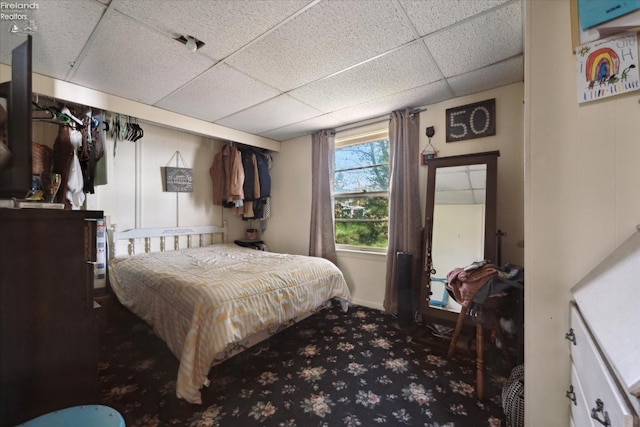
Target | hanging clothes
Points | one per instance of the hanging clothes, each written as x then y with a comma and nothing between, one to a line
251,186
257,183
92,150
104,167
263,165
75,183
227,177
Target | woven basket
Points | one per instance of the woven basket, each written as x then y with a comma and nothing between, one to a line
42,159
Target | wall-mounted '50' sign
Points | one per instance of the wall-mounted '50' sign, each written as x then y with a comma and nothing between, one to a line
471,121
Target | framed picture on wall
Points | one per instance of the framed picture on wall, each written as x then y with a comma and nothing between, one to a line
178,180
471,121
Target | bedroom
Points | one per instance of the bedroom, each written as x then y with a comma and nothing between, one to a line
556,133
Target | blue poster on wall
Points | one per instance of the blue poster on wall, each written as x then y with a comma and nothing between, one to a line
595,12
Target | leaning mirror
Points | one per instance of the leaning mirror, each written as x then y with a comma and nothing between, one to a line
460,223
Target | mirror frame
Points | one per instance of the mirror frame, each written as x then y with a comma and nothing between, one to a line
490,158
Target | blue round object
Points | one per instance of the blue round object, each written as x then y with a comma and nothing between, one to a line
79,416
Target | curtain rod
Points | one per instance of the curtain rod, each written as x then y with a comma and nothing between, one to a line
374,121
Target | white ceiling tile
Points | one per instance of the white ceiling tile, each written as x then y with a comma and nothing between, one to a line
62,28
413,98
464,197
329,37
432,15
219,92
360,58
478,179
303,128
478,42
224,25
395,72
500,74
272,114
137,63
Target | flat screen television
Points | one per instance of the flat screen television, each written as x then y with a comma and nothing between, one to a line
15,176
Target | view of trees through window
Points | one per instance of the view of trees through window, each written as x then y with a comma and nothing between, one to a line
361,185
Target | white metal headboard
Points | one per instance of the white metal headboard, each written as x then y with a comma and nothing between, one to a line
135,235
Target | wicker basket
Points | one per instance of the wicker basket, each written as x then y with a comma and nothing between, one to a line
42,159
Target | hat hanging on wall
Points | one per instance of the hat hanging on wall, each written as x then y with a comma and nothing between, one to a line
429,151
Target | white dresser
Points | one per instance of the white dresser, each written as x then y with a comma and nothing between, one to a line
605,342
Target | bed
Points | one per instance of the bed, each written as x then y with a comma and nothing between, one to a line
208,301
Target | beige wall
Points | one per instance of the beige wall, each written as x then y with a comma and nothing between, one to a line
508,140
581,198
365,273
134,196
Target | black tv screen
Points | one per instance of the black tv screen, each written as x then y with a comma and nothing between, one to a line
15,176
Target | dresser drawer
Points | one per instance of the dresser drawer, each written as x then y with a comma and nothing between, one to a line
596,381
580,411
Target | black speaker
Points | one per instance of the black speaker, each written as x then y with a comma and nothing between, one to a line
403,285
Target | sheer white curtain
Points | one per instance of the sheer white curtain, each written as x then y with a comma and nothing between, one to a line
405,224
322,235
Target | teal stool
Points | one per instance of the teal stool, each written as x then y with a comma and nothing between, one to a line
79,416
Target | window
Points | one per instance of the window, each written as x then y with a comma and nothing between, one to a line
361,191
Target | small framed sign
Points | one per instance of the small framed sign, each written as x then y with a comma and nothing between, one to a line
179,180
471,121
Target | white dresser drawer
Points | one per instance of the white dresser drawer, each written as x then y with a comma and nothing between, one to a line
580,411
596,381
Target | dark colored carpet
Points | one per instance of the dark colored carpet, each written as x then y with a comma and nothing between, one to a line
332,369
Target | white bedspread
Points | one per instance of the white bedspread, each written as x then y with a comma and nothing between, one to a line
201,300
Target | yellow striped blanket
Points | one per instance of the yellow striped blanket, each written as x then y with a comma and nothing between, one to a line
202,300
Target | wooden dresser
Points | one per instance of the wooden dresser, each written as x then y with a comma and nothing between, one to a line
48,357
605,342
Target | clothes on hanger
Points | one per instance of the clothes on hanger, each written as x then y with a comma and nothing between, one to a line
227,177
241,180
91,151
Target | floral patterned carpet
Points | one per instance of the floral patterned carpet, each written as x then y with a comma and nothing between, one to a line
331,369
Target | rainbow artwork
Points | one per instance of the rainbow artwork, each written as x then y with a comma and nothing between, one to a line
607,67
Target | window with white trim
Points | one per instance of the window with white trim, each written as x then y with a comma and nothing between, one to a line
361,191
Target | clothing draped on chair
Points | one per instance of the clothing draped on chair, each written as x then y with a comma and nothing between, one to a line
322,235
405,228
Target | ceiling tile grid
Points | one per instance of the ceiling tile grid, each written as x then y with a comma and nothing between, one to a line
62,28
492,76
402,69
271,114
429,16
278,68
479,42
217,93
135,62
224,25
326,121
413,98
327,38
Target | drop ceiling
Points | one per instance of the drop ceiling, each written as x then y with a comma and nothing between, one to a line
461,185
276,68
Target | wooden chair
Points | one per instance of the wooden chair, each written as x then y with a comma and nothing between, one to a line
489,315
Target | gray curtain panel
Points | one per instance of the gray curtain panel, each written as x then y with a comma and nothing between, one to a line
322,236
405,224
